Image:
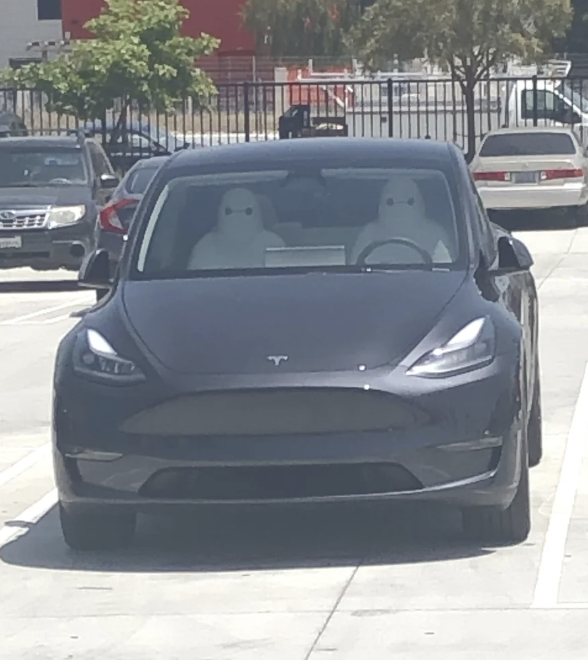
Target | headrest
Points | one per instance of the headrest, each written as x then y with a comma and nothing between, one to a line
401,199
268,211
239,214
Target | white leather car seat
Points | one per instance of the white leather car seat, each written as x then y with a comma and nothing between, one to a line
239,239
402,214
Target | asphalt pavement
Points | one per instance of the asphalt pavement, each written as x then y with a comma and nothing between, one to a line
343,583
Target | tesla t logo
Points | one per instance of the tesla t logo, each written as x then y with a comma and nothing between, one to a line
277,359
7,215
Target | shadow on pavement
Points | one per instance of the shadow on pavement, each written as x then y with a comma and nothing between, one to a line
41,286
275,539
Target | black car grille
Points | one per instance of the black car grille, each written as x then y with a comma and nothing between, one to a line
279,482
276,412
33,221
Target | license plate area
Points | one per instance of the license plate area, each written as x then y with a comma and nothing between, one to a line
10,242
525,177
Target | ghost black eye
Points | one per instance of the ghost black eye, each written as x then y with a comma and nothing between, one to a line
228,211
410,202
390,201
248,211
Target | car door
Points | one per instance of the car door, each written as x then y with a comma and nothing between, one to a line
101,165
517,292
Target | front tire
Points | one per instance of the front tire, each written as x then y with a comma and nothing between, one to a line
503,526
534,428
95,531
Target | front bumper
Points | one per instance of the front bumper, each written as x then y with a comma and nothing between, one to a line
465,450
536,196
47,249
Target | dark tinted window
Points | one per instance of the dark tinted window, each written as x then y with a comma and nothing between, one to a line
528,144
49,10
329,218
39,166
138,180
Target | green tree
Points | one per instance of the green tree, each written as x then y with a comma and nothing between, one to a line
301,28
468,37
137,53
576,38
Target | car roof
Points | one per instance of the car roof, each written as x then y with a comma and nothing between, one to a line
131,125
320,149
512,130
41,141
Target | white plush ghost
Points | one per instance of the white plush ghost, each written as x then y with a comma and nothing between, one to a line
402,214
239,239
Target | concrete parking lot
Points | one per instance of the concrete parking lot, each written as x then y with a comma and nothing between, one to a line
350,583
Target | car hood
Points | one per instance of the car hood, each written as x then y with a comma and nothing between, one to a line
320,322
25,198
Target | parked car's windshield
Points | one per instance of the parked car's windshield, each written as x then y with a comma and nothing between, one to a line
34,166
576,95
538,143
340,219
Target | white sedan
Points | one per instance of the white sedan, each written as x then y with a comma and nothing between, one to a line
532,168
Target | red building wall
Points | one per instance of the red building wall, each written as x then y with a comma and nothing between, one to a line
219,18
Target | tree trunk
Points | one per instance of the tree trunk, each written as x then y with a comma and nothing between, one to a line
469,87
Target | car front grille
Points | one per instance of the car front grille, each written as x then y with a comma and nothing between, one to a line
276,412
278,482
26,220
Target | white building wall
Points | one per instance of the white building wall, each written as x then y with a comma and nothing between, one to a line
19,25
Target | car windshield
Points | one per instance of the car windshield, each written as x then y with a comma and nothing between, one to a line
139,179
330,219
35,166
575,95
166,140
538,143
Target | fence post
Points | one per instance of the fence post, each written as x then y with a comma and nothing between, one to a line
247,115
390,107
535,101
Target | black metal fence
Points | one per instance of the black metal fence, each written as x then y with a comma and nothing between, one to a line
398,107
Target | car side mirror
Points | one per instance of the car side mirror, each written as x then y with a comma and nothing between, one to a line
513,257
95,271
109,181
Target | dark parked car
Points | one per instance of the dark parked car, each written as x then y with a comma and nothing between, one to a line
115,217
363,333
11,125
137,141
51,190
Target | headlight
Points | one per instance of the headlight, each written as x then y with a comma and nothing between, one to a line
61,216
471,348
95,358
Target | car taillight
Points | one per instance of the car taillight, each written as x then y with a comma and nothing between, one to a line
491,176
109,219
549,175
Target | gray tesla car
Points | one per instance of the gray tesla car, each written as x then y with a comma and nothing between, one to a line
303,321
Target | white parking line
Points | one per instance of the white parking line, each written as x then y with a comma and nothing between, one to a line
24,464
552,558
28,517
43,312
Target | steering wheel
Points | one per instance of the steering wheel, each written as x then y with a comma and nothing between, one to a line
60,180
423,254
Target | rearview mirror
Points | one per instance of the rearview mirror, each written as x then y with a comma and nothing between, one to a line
95,271
513,257
109,181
